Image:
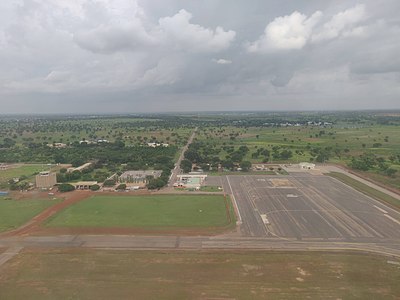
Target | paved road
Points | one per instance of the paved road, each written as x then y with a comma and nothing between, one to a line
177,169
385,247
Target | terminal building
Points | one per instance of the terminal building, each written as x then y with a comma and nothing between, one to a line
46,180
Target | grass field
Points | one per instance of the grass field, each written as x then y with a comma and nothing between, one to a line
101,274
363,188
14,213
23,170
161,211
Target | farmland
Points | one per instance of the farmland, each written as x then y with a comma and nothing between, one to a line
102,274
154,212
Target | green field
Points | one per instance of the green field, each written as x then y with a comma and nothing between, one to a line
363,188
14,213
23,170
162,211
102,274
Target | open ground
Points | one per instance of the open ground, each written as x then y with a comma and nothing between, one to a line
112,274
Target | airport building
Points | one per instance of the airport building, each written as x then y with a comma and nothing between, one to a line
139,176
45,180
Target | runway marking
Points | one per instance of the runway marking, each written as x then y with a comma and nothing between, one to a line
234,201
393,219
380,209
291,196
265,219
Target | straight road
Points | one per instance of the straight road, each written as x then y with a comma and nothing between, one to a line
177,169
385,247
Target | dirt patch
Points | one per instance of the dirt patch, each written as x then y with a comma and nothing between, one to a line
210,231
281,182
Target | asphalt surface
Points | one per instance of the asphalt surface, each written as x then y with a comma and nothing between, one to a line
299,212
310,207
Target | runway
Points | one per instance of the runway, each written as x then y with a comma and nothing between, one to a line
309,207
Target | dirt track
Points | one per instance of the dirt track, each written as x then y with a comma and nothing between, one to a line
35,223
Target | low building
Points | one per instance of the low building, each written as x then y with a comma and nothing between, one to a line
46,180
307,166
84,185
57,145
139,176
153,145
4,167
190,181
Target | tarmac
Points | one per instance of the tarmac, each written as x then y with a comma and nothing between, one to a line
297,212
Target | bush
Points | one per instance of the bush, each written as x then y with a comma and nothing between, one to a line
121,187
95,187
109,182
65,187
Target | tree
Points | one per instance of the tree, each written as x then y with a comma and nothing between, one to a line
186,165
121,187
109,182
245,165
94,187
65,187
390,172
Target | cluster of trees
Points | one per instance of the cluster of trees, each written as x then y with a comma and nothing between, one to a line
206,155
368,161
157,183
113,153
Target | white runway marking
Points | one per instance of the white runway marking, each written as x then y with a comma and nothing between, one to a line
234,201
393,219
265,219
380,209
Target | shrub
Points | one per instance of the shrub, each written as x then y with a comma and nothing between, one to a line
65,187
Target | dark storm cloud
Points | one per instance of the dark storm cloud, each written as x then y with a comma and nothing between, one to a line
125,55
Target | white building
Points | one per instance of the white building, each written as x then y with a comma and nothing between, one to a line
307,166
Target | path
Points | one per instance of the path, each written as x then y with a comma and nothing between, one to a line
8,254
33,224
177,168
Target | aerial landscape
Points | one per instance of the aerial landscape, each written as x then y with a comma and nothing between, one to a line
199,150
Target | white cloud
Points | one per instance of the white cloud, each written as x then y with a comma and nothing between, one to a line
342,24
178,29
222,61
286,33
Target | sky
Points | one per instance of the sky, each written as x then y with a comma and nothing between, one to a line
134,56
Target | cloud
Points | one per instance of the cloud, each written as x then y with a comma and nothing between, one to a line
286,33
132,32
222,61
110,39
295,31
342,24
193,37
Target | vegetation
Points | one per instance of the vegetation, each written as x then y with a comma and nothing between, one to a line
85,274
65,187
161,211
367,142
14,213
